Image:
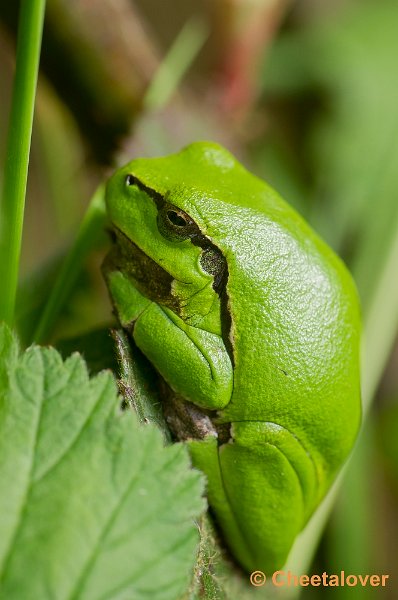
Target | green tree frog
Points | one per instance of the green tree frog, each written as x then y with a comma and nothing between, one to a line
252,323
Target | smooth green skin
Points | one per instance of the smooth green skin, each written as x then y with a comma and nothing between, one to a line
292,395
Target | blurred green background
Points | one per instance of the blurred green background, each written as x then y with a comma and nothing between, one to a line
305,93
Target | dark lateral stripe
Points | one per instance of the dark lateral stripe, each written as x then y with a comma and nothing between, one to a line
220,279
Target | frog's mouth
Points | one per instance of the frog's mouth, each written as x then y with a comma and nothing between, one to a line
146,275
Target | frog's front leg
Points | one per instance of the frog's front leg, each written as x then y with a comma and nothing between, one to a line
194,362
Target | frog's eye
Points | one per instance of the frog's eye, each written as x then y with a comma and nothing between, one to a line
130,180
174,224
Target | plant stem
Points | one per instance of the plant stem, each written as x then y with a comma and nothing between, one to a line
90,230
18,148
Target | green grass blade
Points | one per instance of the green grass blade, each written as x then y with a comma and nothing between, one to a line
18,148
176,63
90,230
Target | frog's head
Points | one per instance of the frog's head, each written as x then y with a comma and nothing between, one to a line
160,230
176,189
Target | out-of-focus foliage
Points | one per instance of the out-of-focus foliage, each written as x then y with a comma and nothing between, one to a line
345,65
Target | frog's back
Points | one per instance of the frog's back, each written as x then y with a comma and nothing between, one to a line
295,326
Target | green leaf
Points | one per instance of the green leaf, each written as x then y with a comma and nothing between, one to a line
93,506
